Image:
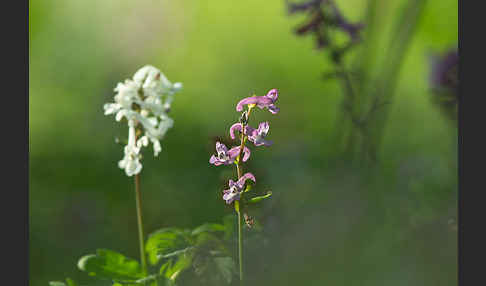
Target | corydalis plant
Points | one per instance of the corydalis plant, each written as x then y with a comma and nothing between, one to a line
237,155
144,102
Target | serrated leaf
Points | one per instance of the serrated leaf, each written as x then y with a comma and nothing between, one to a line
208,227
165,241
109,264
259,198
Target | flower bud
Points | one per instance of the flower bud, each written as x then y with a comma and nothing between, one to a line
244,118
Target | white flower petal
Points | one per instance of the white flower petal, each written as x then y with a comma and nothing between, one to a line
177,86
143,141
119,115
157,147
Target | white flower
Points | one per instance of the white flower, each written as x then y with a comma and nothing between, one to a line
144,102
131,161
127,93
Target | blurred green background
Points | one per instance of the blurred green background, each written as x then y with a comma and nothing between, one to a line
329,222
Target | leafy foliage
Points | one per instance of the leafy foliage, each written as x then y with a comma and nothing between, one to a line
108,264
69,282
173,251
203,248
259,198
166,241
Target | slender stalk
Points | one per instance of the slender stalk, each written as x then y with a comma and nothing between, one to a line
239,170
138,199
240,247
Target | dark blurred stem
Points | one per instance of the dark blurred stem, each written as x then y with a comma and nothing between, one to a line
348,88
346,81
346,112
403,32
138,198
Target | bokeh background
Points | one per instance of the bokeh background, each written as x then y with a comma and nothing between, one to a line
331,221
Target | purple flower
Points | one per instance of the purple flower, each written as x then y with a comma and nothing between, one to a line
236,127
267,101
227,157
257,136
235,188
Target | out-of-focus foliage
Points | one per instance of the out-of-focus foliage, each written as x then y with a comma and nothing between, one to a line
201,254
203,251
329,221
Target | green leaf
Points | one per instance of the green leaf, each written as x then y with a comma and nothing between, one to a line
247,189
259,198
166,241
164,267
226,267
164,281
177,252
109,264
145,280
208,227
70,282
172,270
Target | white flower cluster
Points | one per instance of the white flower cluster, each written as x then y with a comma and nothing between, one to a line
143,100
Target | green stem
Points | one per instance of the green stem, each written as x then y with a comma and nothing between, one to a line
138,198
240,247
238,207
